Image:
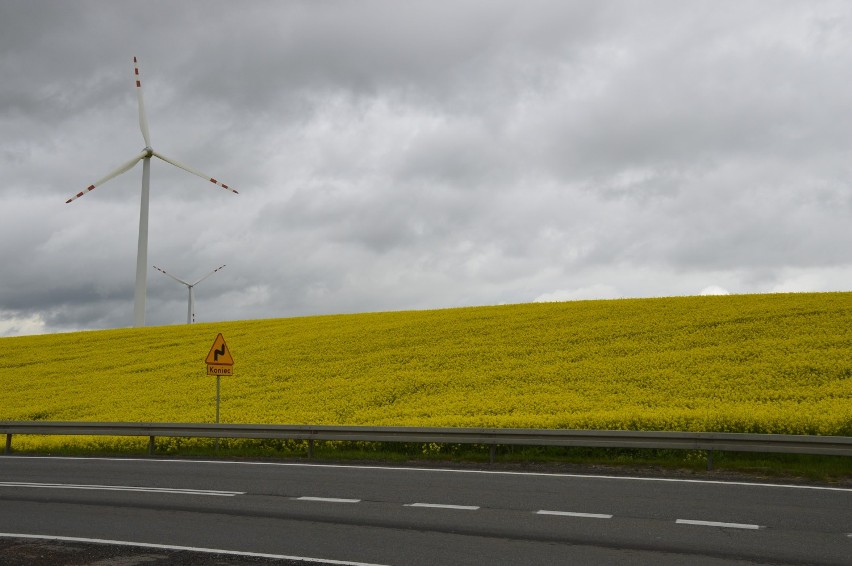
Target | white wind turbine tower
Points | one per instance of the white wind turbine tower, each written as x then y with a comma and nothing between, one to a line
145,157
190,312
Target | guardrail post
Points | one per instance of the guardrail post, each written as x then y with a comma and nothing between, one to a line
8,443
150,446
310,448
709,460
492,453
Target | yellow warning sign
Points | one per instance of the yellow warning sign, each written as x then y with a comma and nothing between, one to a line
218,357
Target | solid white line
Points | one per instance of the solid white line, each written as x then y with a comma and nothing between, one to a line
572,514
328,499
188,548
442,506
442,470
122,488
717,524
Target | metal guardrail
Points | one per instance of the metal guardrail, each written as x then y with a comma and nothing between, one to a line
492,437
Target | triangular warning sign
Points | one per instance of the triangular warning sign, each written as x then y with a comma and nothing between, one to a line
219,354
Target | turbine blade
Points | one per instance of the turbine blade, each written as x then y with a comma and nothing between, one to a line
172,276
194,172
208,275
126,167
143,119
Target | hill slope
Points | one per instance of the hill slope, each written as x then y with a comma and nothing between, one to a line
752,363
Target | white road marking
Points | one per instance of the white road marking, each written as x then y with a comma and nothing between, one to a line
328,499
573,514
440,470
122,488
188,548
717,524
443,506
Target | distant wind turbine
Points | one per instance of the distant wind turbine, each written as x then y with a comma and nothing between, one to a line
145,157
190,312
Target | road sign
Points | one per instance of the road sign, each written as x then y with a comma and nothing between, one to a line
220,361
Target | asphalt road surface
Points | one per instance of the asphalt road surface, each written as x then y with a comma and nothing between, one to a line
224,512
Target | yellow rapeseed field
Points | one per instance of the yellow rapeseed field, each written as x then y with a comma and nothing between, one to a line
750,363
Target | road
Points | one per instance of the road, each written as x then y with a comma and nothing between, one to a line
401,515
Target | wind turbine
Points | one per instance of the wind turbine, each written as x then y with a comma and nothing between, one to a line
190,312
145,157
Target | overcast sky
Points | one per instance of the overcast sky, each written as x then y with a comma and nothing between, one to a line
395,155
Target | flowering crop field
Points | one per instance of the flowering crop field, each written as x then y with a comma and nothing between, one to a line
747,363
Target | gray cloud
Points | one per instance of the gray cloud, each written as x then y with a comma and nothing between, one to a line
419,155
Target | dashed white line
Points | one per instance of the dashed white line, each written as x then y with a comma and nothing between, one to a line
328,499
443,506
188,548
717,524
574,514
216,493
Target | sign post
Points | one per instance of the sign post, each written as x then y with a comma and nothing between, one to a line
219,362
